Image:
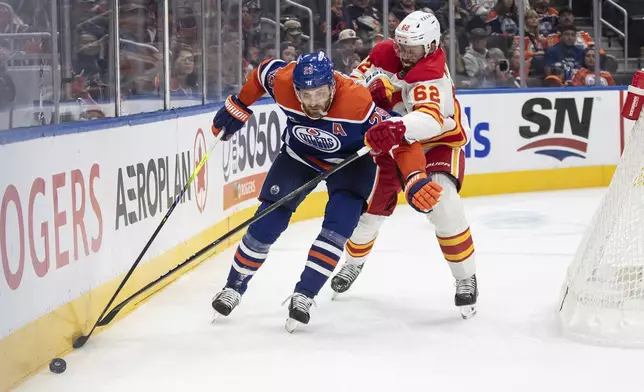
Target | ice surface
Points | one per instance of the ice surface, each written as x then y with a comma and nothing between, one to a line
395,330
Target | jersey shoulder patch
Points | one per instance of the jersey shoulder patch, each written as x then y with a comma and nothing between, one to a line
283,89
384,56
351,102
430,68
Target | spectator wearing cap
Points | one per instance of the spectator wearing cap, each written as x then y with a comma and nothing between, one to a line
344,51
474,57
586,75
567,19
548,16
565,56
293,33
503,18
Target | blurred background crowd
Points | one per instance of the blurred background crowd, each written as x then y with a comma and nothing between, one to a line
71,60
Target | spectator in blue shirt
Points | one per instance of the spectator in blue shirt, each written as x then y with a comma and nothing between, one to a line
565,56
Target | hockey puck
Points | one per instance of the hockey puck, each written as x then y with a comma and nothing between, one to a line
57,365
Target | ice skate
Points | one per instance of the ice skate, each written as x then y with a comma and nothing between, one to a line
224,302
466,295
298,311
343,280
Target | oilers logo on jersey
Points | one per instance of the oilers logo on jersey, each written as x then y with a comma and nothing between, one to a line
316,142
317,138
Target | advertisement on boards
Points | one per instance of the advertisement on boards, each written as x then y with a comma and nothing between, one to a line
528,131
78,210
247,157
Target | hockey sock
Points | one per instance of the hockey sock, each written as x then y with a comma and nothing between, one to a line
357,253
458,251
323,257
254,246
249,257
363,238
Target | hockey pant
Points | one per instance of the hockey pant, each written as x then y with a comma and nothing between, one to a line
446,166
349,191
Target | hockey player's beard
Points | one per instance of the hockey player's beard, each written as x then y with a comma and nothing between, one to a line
316,112
406,66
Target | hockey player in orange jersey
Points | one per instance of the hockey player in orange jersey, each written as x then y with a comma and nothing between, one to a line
327,117
423,148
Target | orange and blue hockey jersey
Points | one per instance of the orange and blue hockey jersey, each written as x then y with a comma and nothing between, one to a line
320,143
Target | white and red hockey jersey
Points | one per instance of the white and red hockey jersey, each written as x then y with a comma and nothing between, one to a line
424,96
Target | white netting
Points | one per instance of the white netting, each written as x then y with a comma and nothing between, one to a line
603,296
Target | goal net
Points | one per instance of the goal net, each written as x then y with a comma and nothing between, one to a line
602,299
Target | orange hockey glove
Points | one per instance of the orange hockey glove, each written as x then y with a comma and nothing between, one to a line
382,92
422,193
384,136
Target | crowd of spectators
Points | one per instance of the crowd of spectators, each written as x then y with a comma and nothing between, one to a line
557,51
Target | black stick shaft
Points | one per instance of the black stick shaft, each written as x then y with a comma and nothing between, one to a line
309,185
152,238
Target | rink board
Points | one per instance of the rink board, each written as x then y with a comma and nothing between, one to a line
83,199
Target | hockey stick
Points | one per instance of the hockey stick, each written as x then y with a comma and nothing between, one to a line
81,340
309,185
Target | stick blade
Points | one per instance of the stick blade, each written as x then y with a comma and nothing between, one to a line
80,341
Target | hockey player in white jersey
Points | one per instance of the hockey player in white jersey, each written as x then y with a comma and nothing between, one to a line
420,153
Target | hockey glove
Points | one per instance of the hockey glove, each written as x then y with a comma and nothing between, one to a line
382,92
230,118
384,136
422,193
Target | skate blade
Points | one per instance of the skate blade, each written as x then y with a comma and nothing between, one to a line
468,311
215,317
291,325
